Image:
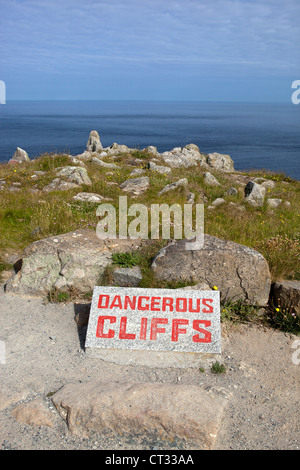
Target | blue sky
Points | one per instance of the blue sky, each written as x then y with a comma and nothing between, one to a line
211,50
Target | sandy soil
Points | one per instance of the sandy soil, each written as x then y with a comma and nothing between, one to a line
43,351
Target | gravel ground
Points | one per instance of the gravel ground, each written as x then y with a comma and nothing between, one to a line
43,351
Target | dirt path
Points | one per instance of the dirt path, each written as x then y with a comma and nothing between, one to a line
43,352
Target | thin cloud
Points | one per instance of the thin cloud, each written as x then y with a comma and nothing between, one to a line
236,37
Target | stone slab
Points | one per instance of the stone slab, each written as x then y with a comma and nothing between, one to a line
167,414
154,327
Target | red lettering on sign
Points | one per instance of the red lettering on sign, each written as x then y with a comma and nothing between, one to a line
184,305
155,303
106,299
116,302
207,334
131,303
100,325
140,307
175,328
191,309
143,331
123,334
154,329
210,308
167,302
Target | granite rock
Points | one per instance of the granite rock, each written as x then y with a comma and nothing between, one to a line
210,180
72,261
74,174
20,156
94,143
184,413
136,186
254,194
220,162
238,272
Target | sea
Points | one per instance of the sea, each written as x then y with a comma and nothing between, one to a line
255,135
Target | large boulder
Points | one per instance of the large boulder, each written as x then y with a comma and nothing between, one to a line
220,162
69,177
74,174
254,194
163,170
99,162
59,185
94,144
210,180
72,261
239,272
20,156
116,149
185,157
184,414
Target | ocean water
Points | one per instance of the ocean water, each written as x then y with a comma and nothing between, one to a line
254,135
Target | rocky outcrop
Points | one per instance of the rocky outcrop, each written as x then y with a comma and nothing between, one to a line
238,272
59,185
20,156
163,170
72,261
99,162
74,174
89,197
136,186
186,414
254,194
273,203
185,157
116,149
94,143
210,180
220,162
172,186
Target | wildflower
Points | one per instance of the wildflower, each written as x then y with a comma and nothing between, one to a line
277,309
215,288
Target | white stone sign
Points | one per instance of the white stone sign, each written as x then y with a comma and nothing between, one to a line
153,320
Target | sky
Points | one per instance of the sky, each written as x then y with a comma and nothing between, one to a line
200,50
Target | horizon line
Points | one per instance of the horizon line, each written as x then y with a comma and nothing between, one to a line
149,100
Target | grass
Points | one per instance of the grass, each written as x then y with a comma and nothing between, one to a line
30,214
238,312
125,260
218,368
283,318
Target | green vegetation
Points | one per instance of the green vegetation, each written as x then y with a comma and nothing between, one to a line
218,368
284,319
238,312
28,214
125,260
